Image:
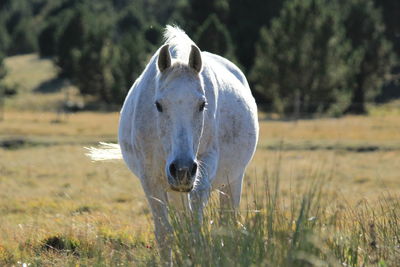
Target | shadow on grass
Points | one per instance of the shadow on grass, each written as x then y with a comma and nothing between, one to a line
51,86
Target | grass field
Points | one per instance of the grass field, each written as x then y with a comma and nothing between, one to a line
321,192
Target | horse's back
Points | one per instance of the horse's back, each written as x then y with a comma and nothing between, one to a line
228,65
237,117
136,131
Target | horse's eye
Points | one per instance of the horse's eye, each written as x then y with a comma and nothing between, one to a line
158,106
202,106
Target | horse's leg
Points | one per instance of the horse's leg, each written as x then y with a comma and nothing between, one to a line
157,199
198,200
201,192
229,197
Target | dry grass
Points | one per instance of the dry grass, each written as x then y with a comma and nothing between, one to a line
29,73
42,185
65,128
383,130
47,191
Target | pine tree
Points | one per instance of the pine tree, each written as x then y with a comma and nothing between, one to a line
366,31
196,12
301,61
91,63
23,38
246,18
2,69
391,17
212,36
71,37
47,40
2,88
4,37
111,56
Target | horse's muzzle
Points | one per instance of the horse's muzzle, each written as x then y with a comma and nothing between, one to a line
181,189
181,175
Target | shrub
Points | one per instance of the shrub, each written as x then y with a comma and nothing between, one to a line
373,52
212,36
302,63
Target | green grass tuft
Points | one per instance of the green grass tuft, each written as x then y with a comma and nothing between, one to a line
61,243
6,257
307,232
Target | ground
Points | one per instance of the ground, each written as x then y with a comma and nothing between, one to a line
49,188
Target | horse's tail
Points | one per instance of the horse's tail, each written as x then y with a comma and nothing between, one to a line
105,151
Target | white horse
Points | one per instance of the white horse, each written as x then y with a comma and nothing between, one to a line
188,125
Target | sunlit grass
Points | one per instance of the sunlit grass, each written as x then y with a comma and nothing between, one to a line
308,231
49,188
28,71
392,108
97,215
64,128
27,74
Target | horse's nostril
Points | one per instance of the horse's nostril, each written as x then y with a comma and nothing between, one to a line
194,169
172,170
181,171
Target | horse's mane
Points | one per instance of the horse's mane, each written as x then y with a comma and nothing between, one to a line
179,42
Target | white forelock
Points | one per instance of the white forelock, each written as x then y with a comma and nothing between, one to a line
179,42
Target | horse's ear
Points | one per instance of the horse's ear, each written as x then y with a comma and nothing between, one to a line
195,61
164,58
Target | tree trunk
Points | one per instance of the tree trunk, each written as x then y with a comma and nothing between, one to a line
296,105
357,105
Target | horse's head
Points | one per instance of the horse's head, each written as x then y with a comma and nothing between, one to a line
180,104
